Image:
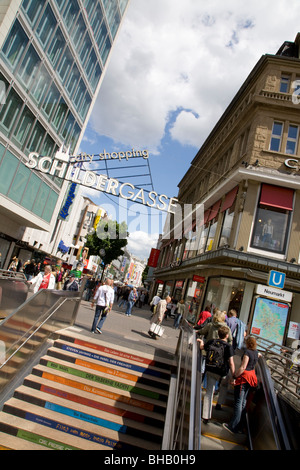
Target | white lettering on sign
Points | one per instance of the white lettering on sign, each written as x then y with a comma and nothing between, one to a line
90,179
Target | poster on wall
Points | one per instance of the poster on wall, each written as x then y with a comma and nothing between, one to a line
269,319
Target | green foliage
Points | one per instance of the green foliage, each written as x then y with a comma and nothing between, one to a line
109,236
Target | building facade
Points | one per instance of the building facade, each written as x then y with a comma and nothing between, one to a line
244,253
53,56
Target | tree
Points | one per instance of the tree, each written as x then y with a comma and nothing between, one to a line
108,241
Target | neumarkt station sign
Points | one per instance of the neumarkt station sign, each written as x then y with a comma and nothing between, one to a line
70,169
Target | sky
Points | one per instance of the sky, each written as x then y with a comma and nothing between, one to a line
173,70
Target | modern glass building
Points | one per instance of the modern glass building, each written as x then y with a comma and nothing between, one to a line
53,56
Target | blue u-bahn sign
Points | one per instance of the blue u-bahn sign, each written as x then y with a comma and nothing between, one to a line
276,279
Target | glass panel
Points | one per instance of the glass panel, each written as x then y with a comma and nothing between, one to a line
19,183
24,126
86,48
51,100
96,19
48,147
40,86
75,137
7,170
105,50
114,24
211,234
89,6
68,126
31,191
56,47
60,114
85,106
46,26
271,230
73,80
95,77
123,5
78,32
79,94
291,145
276,136
227,226
36,138
225,294
70,13
284,85
50,206
65,64
28,69
41,201
10,111
15,44
32,9
101,35
91,63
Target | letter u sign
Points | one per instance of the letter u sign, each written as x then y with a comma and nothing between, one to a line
276,279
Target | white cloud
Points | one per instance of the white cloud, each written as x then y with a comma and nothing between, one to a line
185,55
140,244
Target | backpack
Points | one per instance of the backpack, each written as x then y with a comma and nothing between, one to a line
215,358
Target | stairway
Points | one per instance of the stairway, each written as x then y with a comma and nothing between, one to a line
87,395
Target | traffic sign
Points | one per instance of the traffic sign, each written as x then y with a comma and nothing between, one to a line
276,279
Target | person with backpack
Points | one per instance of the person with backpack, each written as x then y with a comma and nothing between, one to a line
219,360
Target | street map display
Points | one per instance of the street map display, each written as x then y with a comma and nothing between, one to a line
269,319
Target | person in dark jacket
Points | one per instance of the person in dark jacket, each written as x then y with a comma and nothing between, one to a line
72,284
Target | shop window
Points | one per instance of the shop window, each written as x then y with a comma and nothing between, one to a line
225,293
192,298
272,219
227,209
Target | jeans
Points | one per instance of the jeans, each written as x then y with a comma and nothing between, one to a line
130,304
123,301
239,409
99,310
177,320
212,380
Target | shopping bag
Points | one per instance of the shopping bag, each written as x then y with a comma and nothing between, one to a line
156,329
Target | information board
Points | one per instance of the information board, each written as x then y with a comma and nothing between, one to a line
269,319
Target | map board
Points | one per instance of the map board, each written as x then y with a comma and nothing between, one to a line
269,319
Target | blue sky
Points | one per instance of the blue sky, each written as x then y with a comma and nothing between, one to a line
173,71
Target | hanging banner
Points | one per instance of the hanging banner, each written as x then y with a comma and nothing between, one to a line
153,258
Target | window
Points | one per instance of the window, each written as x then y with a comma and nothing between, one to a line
85,49
51,100
10,111
228,208
28,69
8,167
60,114
46,26
73,80
56,48
33,8
70,14
276,136
105,50
36,138
95,77
78,32
19,183
65,64
15,44
40,85
24,126
284,84
292,140
272,220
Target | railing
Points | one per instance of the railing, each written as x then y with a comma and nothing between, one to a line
284,371
26,329
184,406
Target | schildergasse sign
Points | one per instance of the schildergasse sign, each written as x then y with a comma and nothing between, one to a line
67,167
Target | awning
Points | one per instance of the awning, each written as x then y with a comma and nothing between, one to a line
214,211
229,199
276,196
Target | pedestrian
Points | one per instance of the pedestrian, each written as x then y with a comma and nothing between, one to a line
154,303
243,380
219,360
159,314
104,299
203,316
30,270
44,280
60,278
179,314
141,299
71,284
132,298
124,298
210,330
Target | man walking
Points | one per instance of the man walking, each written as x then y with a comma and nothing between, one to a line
104,299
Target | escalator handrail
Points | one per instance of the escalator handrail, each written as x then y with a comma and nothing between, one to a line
279,431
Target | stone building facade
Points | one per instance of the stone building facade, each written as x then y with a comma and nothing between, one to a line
246,177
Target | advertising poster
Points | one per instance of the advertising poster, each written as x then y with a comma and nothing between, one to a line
269,319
